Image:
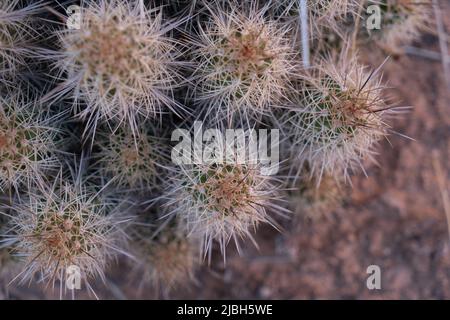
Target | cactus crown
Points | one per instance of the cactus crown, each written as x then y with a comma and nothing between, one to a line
136,162
338,117
64,225
120,63
221,201
26,143
244,63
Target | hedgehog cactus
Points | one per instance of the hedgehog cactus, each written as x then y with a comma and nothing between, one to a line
121,63
123,77
132,162
243,65
62,225
27,148
222,201
338,118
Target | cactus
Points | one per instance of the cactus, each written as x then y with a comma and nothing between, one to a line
16,34
338,117
122,64
243,64
136,163
27,143
130,74
222,201
61,225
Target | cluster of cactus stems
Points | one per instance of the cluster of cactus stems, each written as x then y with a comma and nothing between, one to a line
85,168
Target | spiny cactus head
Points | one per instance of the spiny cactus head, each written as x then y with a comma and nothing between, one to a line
120,62
132,162
27,143
64,225
244,62
338,118
221,201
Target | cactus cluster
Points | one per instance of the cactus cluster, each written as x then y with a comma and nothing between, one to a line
86,173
